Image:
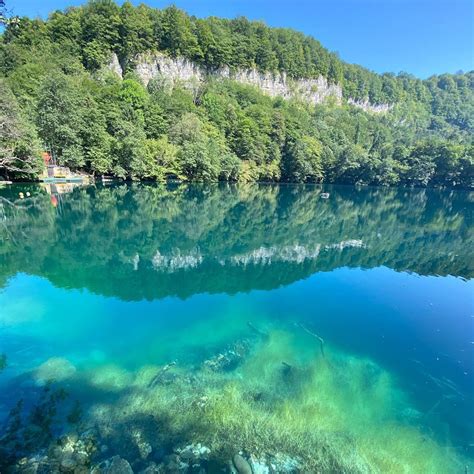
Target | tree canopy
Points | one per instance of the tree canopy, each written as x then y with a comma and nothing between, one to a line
60,96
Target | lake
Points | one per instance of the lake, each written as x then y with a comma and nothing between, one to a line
178,325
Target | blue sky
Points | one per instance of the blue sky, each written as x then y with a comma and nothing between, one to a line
422,37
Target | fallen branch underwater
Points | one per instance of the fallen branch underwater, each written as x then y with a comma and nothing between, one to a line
256,330
7,201
156,379
320,339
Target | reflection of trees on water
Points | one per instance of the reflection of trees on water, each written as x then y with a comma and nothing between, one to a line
143,241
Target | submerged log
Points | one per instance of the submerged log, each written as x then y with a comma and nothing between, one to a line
319,338
256,330
159,376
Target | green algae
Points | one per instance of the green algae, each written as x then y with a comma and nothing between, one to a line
338,412
330,411
55,369
110,378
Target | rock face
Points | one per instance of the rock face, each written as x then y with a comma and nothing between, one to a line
368,107
149,66
114,65
314,91
181,70
241,464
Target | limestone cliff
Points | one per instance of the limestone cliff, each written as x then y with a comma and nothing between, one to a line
191,75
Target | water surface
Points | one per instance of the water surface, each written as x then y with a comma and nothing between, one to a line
337,332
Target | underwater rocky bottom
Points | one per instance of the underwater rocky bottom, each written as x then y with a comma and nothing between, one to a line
277,399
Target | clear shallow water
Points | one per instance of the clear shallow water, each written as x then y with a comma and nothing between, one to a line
102,288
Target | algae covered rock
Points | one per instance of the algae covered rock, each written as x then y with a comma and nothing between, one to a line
241,464
191,458
277,463
68,454
72,452
111,377
68,464
35,465
285,464
143,446
194,452
229,359
152,468
55,369
114,465
119,466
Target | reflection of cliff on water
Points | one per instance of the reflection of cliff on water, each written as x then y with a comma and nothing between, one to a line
151,241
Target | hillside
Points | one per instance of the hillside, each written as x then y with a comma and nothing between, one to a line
144,93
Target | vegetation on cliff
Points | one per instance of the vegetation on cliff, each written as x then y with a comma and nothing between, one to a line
58,94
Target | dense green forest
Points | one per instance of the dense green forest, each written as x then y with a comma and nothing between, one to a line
57,94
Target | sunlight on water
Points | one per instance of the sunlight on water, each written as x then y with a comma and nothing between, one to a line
317,337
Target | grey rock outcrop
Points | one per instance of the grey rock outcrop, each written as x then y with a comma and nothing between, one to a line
174,70
368,107
114,65
180,70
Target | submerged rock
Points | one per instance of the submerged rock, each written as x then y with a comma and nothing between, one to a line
190,458
260,466
221,362
229,359
35,465
241,464
278,463
68,454
284,464
143,446
114,465
194,452
152,468
174,464
54,369
119,466
111,378
73,453
68,464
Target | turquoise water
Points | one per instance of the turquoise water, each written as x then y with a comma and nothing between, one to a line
337,333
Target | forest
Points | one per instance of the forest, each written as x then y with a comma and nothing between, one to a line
57,94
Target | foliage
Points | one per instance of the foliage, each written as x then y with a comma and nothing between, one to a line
89,119
19,147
